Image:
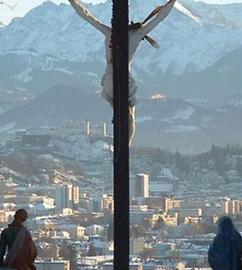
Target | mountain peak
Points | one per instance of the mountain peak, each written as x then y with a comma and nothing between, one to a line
191,38
184,10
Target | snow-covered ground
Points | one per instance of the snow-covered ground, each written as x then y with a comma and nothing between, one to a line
182,128
81,148
186,114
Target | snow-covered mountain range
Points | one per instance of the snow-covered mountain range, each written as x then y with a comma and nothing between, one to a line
51,63
187,43
174,123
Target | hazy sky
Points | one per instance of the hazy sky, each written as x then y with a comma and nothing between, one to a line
25,5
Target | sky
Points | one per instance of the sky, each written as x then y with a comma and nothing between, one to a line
23,6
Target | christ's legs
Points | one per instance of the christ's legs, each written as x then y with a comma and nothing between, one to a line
107,93
131,120
131,123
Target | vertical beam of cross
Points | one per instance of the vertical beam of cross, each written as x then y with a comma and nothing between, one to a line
121,133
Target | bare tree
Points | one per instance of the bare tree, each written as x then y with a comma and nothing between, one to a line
12,7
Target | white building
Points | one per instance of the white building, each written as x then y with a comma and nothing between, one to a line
132,266
52,265
66,196
142,185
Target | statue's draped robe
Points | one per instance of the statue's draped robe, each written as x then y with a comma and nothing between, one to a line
21,249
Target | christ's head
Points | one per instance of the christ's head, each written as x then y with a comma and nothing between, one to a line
134,26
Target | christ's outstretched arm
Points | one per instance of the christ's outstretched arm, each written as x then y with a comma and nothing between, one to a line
86,15
162,12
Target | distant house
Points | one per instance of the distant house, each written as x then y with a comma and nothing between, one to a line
94,229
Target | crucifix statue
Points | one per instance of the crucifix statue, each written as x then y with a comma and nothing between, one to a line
137,32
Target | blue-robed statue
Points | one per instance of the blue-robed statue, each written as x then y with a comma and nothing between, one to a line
226,250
